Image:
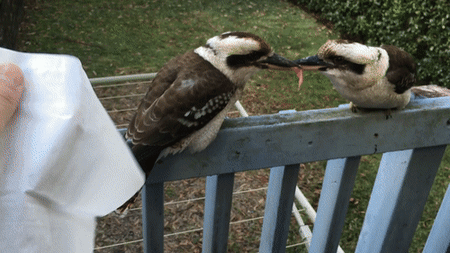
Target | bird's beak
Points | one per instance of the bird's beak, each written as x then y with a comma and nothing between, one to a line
312,63
277,62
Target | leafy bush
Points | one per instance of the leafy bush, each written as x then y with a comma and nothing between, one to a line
420,27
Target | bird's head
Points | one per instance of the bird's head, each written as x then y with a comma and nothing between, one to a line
240,54
349,62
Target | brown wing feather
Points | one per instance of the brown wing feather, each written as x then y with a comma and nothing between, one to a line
402,69
169,109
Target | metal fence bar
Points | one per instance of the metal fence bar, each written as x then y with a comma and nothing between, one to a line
216,222
401,189
126,78
105,86
304,230
337,187
439,239
122,96
309,210
153,217
277,214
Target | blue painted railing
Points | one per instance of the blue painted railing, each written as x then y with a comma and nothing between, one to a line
412,141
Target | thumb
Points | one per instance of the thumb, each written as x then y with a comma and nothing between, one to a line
11,89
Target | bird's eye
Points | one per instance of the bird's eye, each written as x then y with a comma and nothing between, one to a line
339,59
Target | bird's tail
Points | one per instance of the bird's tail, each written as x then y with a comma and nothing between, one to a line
146,157
123,209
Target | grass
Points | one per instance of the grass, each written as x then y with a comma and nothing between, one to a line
116,38
124,37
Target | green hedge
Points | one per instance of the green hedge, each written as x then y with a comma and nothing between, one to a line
421,27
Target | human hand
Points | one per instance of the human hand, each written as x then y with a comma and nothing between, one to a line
11,89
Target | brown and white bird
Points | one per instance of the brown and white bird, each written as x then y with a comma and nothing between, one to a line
190,96
370,77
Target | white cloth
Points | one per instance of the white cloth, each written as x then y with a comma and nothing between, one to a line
62,162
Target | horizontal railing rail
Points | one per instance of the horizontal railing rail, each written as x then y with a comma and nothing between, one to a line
276,140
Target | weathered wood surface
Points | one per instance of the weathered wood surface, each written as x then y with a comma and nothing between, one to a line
280,139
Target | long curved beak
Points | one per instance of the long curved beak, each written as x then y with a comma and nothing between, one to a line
312,63
278,62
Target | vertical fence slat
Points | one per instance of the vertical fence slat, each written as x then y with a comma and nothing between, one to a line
337,187
401,189
277,214
439,239
153,217
219,193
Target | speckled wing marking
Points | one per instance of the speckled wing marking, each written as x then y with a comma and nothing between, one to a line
177,105
200,116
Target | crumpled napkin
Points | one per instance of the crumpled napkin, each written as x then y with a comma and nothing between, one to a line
62,161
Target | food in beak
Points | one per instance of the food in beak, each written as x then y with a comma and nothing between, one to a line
299,72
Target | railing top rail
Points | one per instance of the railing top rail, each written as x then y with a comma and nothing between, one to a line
282,139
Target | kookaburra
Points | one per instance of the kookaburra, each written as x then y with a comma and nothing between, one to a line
370,77
190,96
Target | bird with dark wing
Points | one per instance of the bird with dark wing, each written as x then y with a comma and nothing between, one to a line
190,96
370,77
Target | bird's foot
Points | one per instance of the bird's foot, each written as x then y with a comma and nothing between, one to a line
353,107
388,113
